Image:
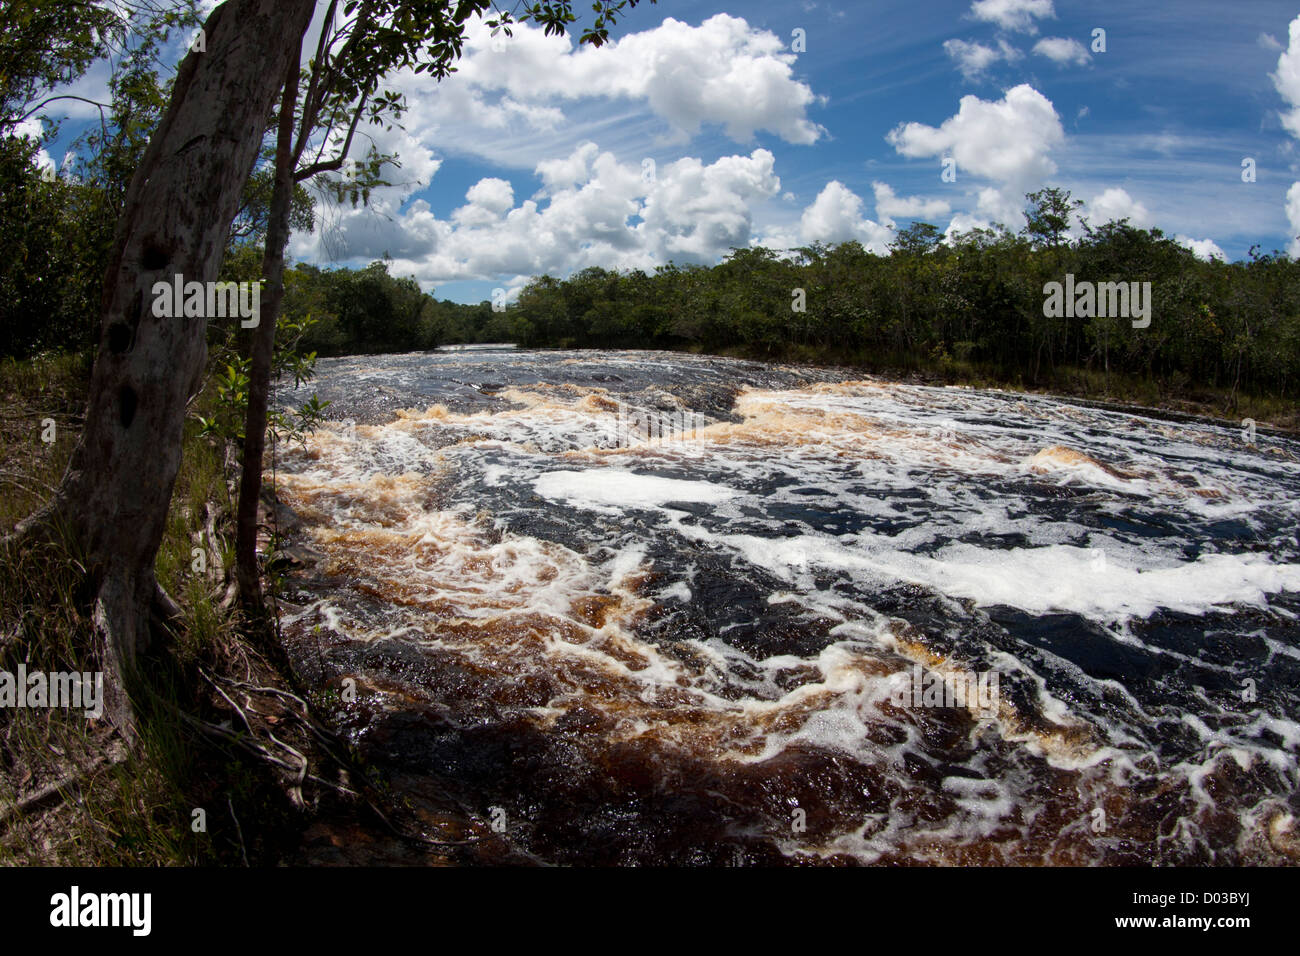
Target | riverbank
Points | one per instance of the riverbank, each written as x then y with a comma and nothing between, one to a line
234,765
1114,391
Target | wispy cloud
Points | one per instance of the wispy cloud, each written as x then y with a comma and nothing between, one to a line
974,59
1063,50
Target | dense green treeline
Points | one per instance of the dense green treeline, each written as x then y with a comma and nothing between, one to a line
976,301
356,311
55,238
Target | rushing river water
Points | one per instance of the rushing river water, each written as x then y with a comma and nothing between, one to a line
720,645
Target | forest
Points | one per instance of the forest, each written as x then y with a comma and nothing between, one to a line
975,301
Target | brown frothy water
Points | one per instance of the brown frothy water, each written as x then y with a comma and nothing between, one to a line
561,662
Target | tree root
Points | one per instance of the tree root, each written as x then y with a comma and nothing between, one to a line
299,769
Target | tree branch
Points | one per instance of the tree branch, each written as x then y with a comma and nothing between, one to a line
320,167
318,65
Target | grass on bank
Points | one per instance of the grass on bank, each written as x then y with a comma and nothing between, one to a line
83,798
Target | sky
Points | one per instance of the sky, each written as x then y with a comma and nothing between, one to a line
704,127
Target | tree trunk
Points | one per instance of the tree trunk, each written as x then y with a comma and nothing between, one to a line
112,503
263,349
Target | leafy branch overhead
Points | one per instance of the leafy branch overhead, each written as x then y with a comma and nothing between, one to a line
366,40
45,46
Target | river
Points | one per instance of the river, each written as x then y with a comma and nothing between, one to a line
654,608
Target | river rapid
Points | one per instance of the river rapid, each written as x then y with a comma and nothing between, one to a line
653,608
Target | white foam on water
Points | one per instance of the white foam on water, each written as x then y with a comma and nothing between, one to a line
1064,578
965,495
1053,578
612,490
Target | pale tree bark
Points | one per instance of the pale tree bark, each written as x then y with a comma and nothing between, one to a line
111,506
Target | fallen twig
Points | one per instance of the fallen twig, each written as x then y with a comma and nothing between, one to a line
51,790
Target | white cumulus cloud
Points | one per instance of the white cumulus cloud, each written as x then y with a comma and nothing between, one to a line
1114,204
534,103
488,200
1293,217
572,170
836,216
1007,140
1013,14
890,206
594,210
721,72
1287,81
1205,249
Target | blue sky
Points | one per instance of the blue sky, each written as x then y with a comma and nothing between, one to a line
536,158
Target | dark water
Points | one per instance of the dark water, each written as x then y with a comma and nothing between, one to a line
701,648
